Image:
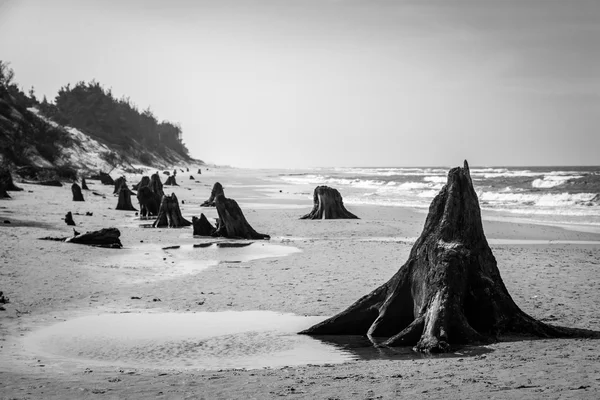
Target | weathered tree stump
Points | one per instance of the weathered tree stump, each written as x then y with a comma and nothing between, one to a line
106,179
76,190
192,178
328,204
120,180
231,223
107,237
6,181
169,214
186,170
124,202
216,190
156,185
69,219
84,185
3,193
202,227
166,173
144,182
149,202
171,181
199,171
448,292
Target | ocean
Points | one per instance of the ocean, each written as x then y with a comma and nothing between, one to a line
568,196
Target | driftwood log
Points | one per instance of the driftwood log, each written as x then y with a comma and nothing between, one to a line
52,182
118,182
216,190
69,219
169,214
448,292
76,190
84,185
124,202
328,204
202,227
171,181
6,181
231,223
107,237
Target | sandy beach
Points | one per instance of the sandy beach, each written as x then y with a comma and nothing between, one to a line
308,269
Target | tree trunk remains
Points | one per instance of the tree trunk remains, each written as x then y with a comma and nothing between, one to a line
124,202
149,202
3,193
232,224
77,195
69,219
144,182
199,171
52,182
6,181
328,204
192,177
216,190
84,185
120,180
171,181
107,237
156,185
202,227
169,214
106,179
448,292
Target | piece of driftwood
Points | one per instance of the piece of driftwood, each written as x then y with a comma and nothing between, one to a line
69,219
106,237
448,292
171,181
202,227
328,204
217,189
124,202
76,190
231,223
52,182
169,214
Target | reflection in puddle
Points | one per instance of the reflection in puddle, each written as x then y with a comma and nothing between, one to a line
220,340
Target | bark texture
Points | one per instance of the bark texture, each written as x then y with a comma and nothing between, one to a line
156,185
171,181
202,226
124,202
107,237
449,291
216,190
231,223
76,190
328,204
169,214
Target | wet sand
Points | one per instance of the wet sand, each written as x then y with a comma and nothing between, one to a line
319,268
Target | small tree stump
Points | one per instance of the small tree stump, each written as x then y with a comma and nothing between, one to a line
169,214
69,219
186,170
120,180
6,181
149,202
192,178
77,195
171,181
156,185
202,227
216,190
328,204
107,237
231,223
199,171
84,185
106,179
144,182
124,202
3,193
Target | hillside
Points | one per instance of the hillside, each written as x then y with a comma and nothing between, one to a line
84,129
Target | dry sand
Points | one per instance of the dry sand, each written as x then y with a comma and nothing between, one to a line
48,282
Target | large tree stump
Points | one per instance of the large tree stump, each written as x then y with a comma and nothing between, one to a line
77,195
120,180
106,179
124,202
84,185
69,219
232,224
145,181
156,185
6,181
169,214
448,292
202,227
328,204
216,190
149,202
3,193
171,181
107,237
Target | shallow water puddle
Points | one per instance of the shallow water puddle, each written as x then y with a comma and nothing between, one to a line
210,341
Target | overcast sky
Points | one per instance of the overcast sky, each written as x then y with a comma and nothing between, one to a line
293,83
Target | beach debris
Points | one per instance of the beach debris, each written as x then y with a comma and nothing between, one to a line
120,180
231,223
169,214
84,185
6,221
3,298
6,181
69,219
217,189
98,194
89,213
171,181
136,298
76,190
192,178
233,244
105,237
167,173
201,245
51,182
171,247
448,292
202,227
328,204
124,202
